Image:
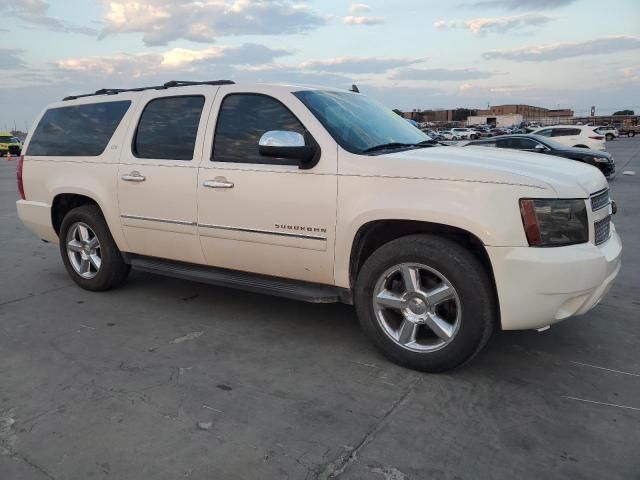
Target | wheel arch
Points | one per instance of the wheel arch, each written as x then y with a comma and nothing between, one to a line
376,233
63,203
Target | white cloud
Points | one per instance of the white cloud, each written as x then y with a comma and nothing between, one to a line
358,7
504,24
496,24
556,51
148,64
162,21
359,65
523,4
440,74
445,24
11,58
362,20
35,13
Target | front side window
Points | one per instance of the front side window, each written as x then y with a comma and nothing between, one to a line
79,130
358,123
168,128
243,119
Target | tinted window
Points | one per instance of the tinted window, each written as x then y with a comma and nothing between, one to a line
544,133
82,130
490,143
565,132
517,143
168,128
242,120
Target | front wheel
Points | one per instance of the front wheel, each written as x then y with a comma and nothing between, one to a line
88,250
631,134
426,302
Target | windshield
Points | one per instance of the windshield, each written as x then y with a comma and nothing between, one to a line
6,139
358,123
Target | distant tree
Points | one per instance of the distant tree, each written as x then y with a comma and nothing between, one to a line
624,112
399,112
461,114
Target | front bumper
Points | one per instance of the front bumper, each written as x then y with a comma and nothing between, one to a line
538,287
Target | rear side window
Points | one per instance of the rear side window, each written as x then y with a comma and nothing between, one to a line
77,131
242,120
168,128
565,132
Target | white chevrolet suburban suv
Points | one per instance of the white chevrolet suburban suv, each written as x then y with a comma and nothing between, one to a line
320,195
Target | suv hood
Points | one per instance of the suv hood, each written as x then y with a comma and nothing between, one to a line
566,178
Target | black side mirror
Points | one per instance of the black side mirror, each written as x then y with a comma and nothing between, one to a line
291,145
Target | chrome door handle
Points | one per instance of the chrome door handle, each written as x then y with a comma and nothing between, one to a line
218,183
133,177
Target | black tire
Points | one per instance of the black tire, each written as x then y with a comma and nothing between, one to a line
465,273
631,134
609,137
113,270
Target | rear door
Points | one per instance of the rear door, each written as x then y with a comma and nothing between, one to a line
566,135
158,173
262,214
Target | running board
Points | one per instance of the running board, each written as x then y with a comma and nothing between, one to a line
252,282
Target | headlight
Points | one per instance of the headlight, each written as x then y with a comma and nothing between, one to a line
601,160
554,222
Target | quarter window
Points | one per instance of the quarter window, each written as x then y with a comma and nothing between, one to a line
544,133
242,120
168,128
77,131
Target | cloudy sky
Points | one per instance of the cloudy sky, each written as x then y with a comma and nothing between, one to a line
406,53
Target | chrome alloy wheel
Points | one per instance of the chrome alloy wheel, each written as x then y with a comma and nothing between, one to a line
83,248
417,307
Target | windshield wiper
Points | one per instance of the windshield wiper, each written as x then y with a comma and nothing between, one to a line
385,146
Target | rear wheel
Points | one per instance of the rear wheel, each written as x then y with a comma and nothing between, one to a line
631,134
609,137
88,251
426,302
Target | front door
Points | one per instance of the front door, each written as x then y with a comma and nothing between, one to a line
158,174
263,214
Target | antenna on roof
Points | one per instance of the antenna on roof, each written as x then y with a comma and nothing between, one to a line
354,88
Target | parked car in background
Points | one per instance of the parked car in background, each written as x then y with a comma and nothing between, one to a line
448,135
465,133
608,131
629,131
9,144
580,136
495,132
433,134
482,132
535,143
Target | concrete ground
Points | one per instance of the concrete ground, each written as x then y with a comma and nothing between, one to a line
168,379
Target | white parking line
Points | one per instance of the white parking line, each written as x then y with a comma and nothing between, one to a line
601,403
607,369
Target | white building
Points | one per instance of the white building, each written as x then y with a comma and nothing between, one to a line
496,120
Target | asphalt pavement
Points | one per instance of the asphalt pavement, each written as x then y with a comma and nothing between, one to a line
170,379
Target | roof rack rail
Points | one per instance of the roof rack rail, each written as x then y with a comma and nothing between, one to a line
170,84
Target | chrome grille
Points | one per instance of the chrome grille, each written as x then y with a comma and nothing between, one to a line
600,199
602,230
